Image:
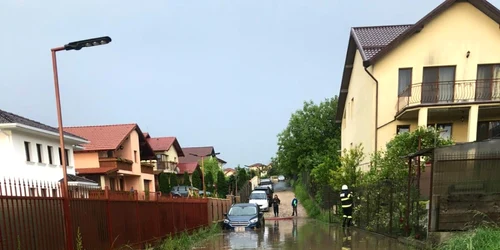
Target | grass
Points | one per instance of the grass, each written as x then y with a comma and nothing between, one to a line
485,237
312,208
187,241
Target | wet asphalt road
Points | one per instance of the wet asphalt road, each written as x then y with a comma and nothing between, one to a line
301,234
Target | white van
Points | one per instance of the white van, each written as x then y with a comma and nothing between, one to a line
260,198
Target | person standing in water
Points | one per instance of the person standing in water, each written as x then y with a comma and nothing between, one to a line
276,204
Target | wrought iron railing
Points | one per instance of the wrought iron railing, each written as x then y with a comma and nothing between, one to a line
166,165
449,92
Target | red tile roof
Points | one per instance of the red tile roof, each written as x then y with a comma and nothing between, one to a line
227,170
187,167
110,137
107,170
105,137
164,144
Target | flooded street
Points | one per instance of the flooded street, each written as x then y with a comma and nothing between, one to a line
301,234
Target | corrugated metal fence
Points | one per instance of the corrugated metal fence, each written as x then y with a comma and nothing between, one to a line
31,216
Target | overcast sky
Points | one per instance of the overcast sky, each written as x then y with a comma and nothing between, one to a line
222,73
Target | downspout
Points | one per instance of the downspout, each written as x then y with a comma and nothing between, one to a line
366,64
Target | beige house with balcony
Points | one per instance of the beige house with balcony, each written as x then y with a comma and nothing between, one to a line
443,71
167,151
113,157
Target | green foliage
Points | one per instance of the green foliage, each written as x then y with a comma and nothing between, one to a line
211,165
186,180
197,181
349,172
310,137
165,184
242,175
174,180
79,240
222,185
480,238
388,176
209,182
312,208
186,240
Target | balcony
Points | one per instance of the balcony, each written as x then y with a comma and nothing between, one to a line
120,163
449,93
166,166
147,168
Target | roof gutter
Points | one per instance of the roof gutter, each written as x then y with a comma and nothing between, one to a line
366,64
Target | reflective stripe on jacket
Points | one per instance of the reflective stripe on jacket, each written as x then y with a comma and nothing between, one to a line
346,198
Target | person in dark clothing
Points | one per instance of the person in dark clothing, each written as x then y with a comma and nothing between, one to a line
346,198
276,204
294,206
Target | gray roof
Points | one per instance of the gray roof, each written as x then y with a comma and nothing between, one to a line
374,38
72,177
7,117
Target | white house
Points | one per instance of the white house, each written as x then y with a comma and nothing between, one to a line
30,150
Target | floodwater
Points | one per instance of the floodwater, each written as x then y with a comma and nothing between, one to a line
302,234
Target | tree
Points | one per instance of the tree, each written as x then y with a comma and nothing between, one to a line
348,173
174,181
209,182
164,182
186,180
222,186
196,179
311,135
211,165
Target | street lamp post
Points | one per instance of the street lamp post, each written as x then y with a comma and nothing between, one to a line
65,192
203,170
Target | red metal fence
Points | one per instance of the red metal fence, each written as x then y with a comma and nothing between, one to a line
31,216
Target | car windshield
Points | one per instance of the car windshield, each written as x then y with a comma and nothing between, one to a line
258,195
243,211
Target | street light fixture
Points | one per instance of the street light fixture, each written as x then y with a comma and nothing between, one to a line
70,46
203,169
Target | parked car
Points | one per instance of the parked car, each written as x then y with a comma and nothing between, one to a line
268,191
281,178
243,216
183,190
266,182
260,198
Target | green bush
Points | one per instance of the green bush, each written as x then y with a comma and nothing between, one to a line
312,208
188,241
480,238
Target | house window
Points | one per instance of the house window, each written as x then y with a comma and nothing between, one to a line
49,151
438,84
402,129
39,152
445,129
27,150
487,130
112,184
109,153
488,82
404,82
135,155
66,153
60,157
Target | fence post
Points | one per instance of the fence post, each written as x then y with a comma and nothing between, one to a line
108,215
138,221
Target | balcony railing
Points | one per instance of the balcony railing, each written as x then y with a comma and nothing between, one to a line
166,166
120,163
449,92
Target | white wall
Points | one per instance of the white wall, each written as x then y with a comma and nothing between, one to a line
13,162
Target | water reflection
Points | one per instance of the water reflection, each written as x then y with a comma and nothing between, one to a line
301,234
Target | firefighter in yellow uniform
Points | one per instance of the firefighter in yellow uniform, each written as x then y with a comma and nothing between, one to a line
346,198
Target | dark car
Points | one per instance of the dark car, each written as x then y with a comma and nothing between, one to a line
243,216
183,191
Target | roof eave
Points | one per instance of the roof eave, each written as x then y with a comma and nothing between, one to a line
22,127
346,76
